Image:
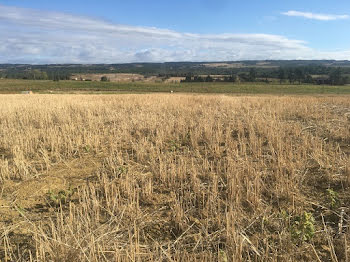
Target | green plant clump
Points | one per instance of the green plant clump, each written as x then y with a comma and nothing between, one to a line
333,198
62,197
303,227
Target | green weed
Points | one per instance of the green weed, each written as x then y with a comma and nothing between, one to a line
333,198
303,227
61,197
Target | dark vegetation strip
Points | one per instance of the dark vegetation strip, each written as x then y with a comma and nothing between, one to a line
16,86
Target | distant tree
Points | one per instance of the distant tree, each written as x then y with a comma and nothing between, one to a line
299,75
56,77
233,78
291,76
265,75
209,79
243,77
252,75
104,79
335,77
198,79
345,80
44,76
188,78
281,75
308,79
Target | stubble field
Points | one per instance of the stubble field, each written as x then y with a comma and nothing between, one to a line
165,177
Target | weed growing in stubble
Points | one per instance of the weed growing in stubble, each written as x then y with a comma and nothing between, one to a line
333,198
61,197
303,227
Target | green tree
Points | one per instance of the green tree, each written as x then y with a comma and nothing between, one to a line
188,78
56,77
335,77
104,79
299,75
252,75
198,79
281,75
291,76
44,76
345,80
208,79
308,79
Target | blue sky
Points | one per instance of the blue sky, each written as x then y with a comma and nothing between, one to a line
109,31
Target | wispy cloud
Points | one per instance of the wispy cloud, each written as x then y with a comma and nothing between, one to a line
322,17
33,36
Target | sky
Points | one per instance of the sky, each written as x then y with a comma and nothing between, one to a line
113,31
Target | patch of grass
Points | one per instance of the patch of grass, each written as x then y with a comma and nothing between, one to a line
44,86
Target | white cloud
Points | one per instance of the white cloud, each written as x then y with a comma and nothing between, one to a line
322,17
32,36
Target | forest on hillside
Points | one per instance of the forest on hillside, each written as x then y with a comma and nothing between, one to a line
293,71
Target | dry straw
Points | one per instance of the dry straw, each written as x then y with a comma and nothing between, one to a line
174,178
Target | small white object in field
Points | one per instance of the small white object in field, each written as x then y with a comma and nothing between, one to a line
171,91
26,92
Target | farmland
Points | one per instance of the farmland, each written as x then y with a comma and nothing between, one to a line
173,177
45,86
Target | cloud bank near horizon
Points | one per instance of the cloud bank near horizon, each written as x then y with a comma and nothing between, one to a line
38,37
321,17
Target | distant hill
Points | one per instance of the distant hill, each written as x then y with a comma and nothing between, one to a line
172,69
149,66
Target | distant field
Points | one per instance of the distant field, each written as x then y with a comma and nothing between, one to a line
113,77
16,86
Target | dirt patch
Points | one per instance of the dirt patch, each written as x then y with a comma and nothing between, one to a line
31,195
5,153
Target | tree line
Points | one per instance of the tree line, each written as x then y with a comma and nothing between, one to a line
291,75
35,74
334,76
192,72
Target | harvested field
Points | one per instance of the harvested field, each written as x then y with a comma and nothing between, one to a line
160,177
174,79
111,77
